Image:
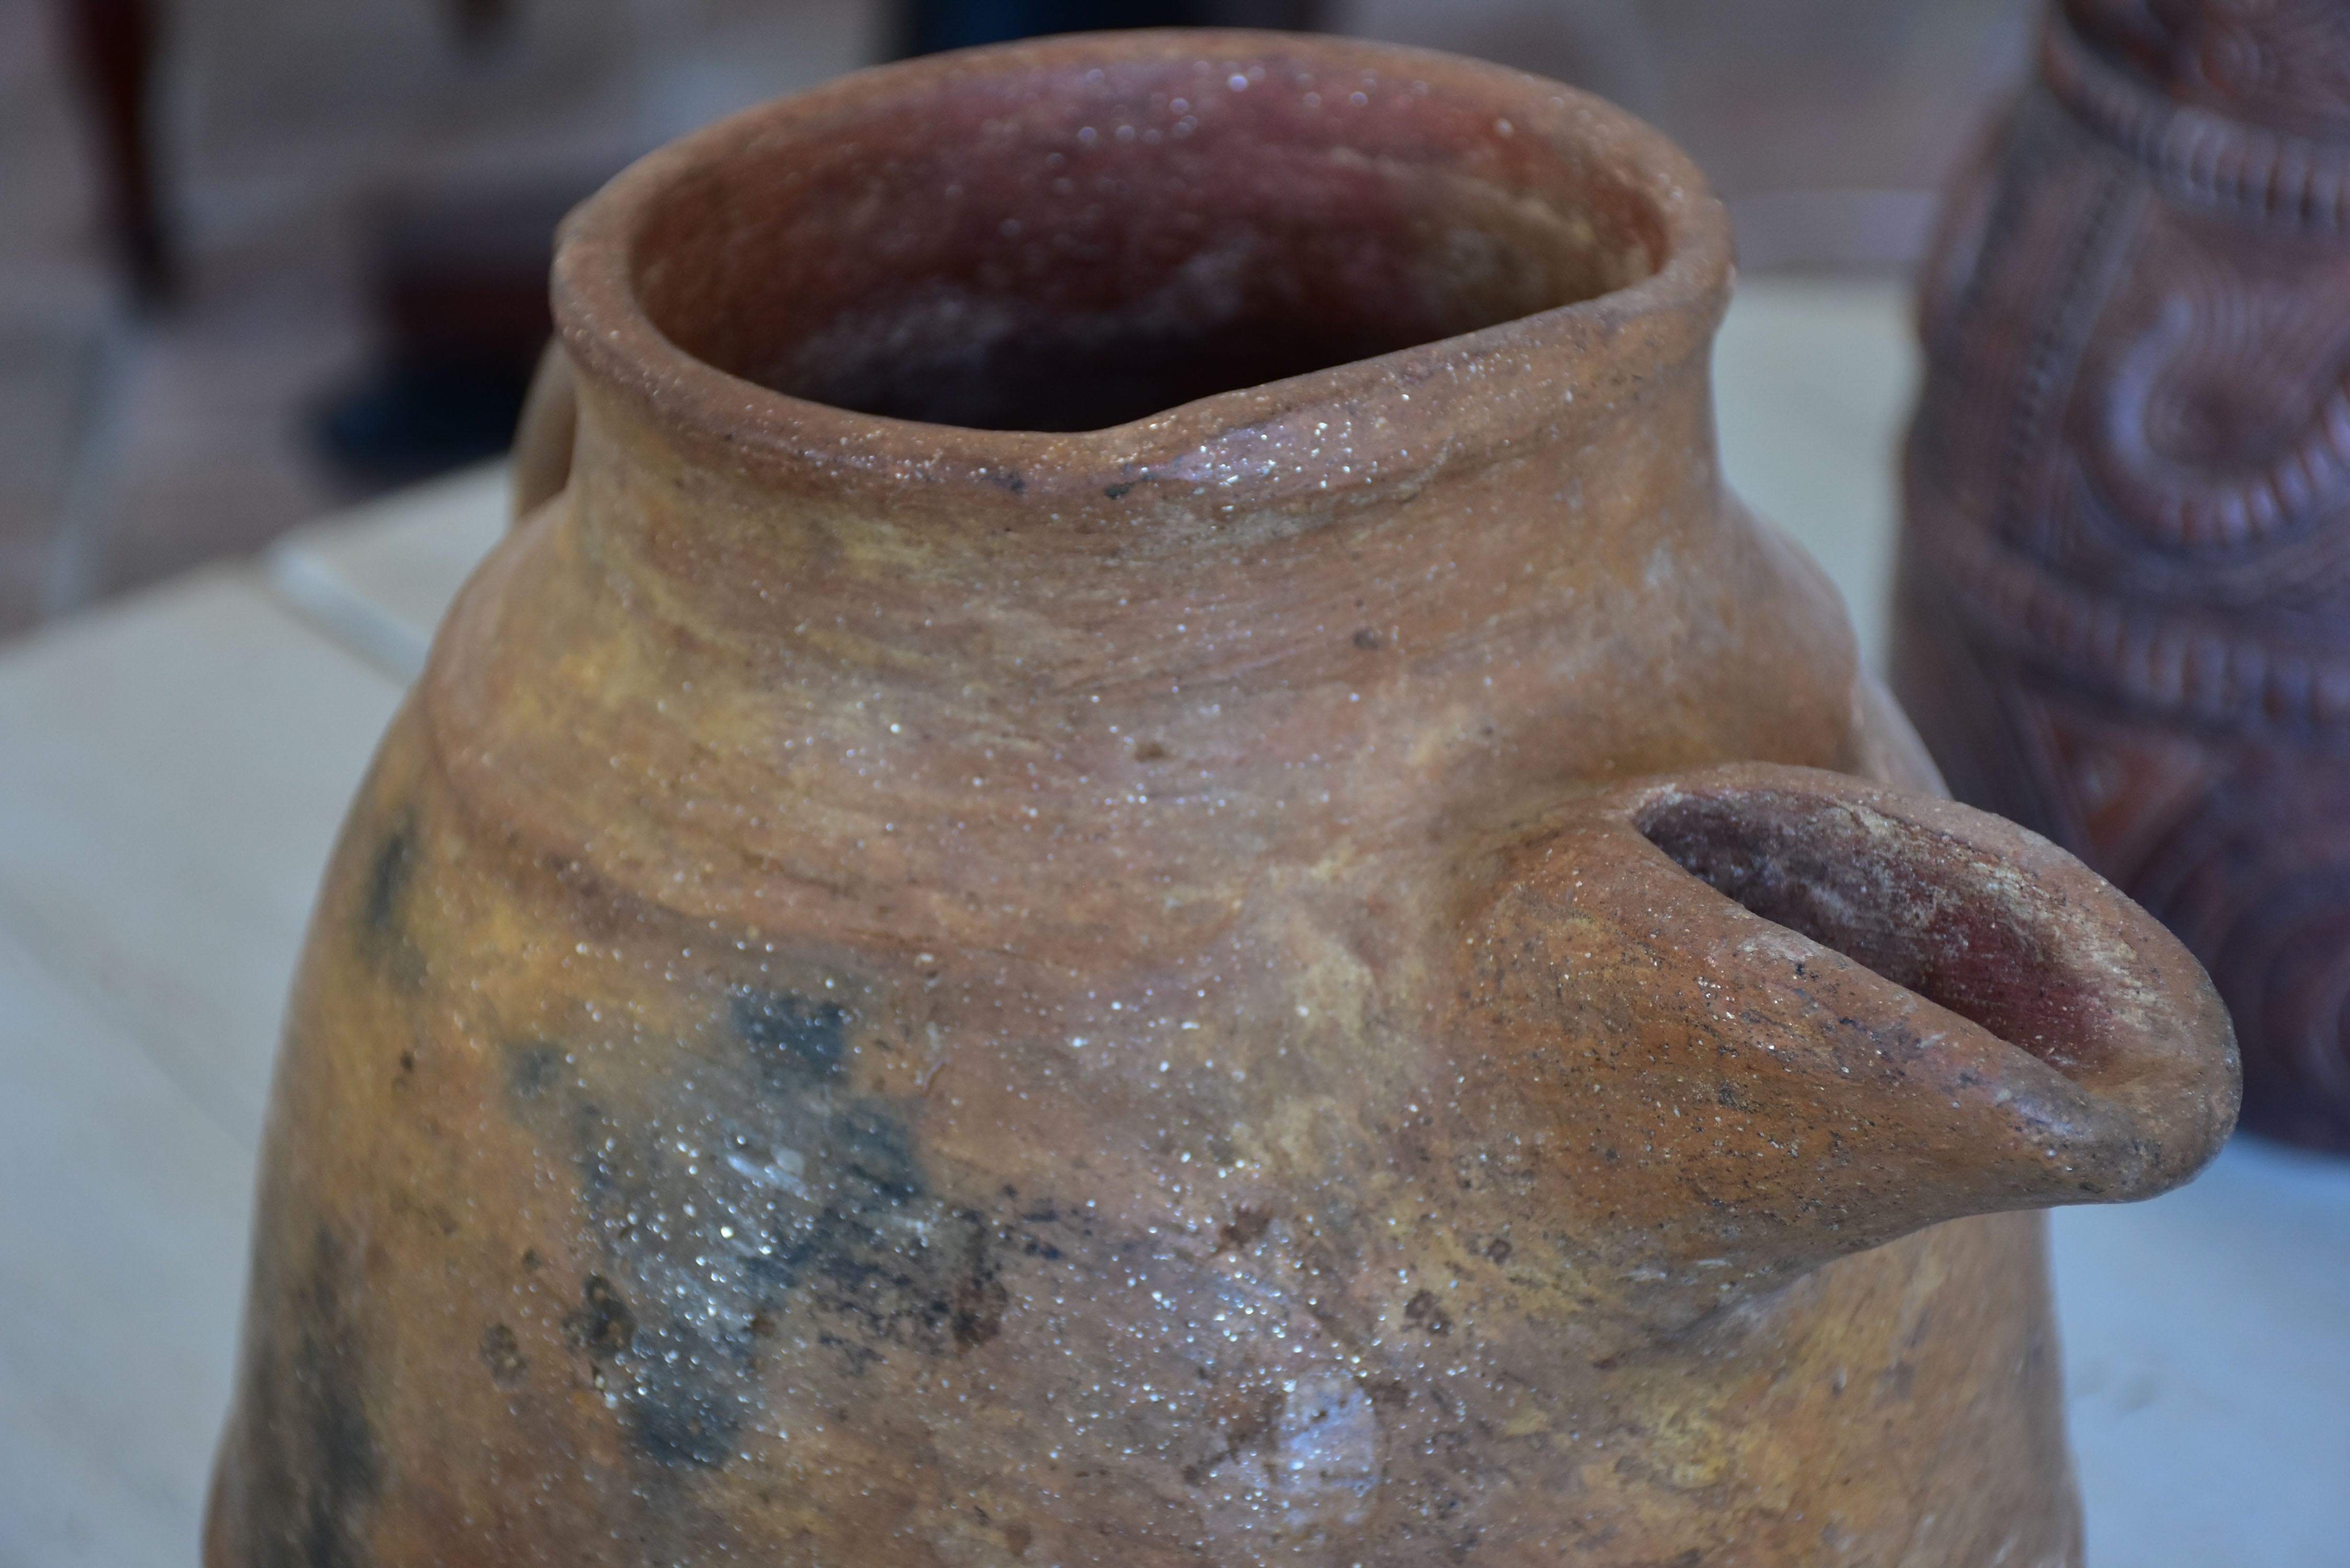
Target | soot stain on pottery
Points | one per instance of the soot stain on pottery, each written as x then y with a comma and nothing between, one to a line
501,1353
602,1325
532,1069
387,874
1246,1228
382,929
317,1464
746,1188
794,1040
1423,1313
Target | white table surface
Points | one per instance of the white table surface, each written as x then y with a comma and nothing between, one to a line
172,768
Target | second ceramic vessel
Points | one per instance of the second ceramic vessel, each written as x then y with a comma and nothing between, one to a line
2125,591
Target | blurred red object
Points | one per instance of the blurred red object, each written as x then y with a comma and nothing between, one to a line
114,45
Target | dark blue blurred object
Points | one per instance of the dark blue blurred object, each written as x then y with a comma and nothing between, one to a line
926,26
407,423
456,283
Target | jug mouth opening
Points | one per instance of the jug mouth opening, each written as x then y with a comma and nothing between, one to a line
1087,232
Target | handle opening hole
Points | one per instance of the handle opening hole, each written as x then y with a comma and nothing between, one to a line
1930,914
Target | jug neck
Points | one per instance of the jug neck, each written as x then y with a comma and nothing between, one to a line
1543,272
1103,678
1264,538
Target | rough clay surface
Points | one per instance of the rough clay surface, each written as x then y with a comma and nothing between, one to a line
1182,993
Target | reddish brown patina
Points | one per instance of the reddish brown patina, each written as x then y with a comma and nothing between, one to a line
2126,590
912,989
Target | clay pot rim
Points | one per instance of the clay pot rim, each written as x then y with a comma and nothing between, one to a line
1525,370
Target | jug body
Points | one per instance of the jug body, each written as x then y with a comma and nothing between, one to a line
931,976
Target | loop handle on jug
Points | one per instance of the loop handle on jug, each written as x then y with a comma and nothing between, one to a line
543,434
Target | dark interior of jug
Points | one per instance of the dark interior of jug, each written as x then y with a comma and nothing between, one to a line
1074,249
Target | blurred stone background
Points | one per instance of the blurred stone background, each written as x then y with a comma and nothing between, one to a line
355,197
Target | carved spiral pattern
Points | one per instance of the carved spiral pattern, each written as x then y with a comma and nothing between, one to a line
2286,62
2201,157
2178,669
2205,436
2126,576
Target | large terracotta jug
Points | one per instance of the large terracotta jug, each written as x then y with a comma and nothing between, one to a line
2125,597
1335,964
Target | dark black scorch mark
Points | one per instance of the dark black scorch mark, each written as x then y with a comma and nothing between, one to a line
532,1069
749,1202
313,1464
601,1324
383,934
794,1041
687,1411
1423,1312
387,875
501,1353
